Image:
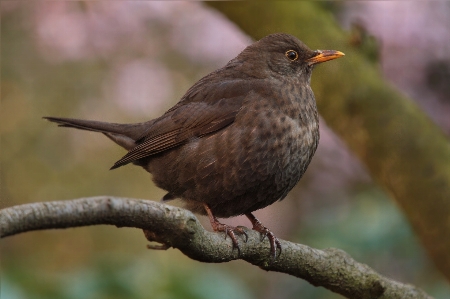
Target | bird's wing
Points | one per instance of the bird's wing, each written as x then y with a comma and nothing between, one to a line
198,114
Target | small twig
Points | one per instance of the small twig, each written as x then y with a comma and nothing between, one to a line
179,228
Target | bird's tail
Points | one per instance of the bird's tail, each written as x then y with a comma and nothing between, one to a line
89,125
124,135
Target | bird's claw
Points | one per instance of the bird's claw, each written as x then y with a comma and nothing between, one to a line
231,231
228,229
275,245
274,250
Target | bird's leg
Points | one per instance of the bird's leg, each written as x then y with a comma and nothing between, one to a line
228,229
274,243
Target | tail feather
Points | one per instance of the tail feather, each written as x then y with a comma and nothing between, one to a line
124,135
132,131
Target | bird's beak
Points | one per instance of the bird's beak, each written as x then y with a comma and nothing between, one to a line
324,55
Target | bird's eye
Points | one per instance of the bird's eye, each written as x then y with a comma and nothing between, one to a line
291,54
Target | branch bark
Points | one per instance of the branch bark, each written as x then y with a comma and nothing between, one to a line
179,228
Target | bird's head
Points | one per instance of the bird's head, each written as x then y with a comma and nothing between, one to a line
283,54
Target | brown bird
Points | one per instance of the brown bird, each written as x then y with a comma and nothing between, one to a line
239,139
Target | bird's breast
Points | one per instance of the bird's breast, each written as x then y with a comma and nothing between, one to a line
247,165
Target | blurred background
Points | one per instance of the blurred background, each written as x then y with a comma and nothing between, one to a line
129,61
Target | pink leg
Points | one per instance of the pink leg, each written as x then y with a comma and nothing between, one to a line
229,230
274,243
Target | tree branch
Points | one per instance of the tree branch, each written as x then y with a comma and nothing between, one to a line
179,228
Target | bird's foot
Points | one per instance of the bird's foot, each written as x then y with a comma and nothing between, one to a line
228,229
275,245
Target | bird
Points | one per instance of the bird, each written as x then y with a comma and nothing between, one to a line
237,141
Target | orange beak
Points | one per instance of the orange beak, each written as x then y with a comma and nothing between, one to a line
324,55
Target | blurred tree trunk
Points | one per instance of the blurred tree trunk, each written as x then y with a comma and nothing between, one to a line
402,149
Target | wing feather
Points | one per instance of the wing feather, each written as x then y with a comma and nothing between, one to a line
200,112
